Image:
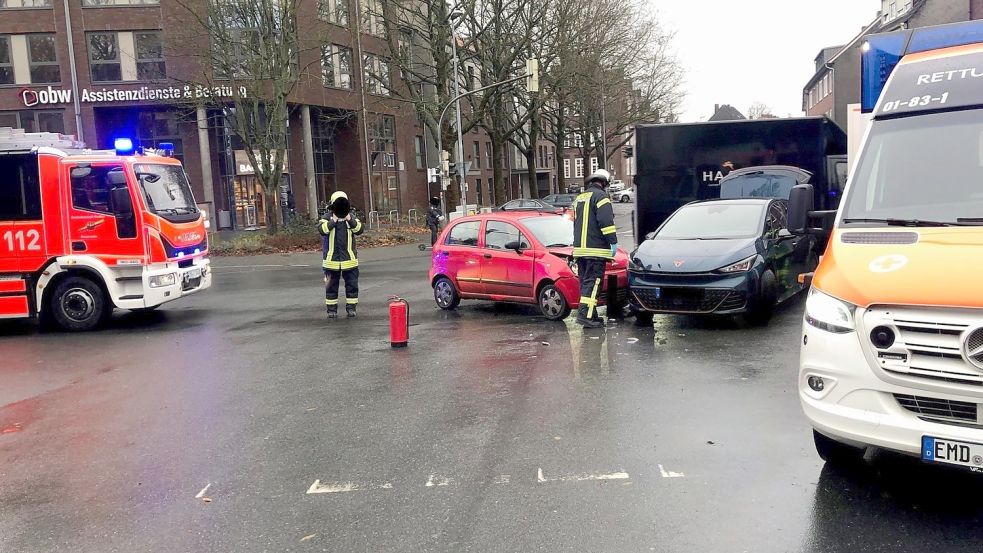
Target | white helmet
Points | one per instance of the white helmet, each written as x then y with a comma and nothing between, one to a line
600,175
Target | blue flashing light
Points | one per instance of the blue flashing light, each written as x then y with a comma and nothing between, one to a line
882,53
123,146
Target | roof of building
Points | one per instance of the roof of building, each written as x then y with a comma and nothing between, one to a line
726,112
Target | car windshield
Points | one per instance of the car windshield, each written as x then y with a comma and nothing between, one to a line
166,189
714,221
924,168
552,232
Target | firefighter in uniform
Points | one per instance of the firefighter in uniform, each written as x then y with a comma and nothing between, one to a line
595,241
339,253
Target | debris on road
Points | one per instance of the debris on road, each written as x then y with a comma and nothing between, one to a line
308,537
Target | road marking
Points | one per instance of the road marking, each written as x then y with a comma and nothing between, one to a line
201,494
503,479
342,487
669,473
435,480
619,475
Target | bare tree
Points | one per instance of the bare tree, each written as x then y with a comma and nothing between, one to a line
248,67
759,110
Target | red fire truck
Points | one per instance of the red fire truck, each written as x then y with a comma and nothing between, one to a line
83,231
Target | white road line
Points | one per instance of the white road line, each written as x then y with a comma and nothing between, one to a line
342,487
436,480
619,475
669,473
201,494
503,479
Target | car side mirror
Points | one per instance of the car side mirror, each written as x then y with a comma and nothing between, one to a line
122,204
801,201
515,246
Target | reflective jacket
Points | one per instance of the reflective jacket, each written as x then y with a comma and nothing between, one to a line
593,228
338,243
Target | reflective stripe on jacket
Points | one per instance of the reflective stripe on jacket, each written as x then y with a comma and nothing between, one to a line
593,228
338,249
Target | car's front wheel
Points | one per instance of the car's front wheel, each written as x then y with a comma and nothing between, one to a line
762,307
552,303
79,304
445,294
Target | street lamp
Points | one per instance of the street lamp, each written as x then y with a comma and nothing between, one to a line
452,18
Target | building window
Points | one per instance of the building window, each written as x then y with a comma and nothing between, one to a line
150,55
19,4
336,66
42,59
476,155
333,11
488,155
104,58
373,22
579,167
95,3
47,120
377,77
419,150
405,47
156,127
593,164
566,168
6,62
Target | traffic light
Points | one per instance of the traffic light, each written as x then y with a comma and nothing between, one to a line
629,151
445,157
532,75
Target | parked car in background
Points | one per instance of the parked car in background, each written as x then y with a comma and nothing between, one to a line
623,196
721,257
575,188
516,257
560,200
527,204
616,186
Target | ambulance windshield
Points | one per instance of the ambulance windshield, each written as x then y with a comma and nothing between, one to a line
167,191
920,171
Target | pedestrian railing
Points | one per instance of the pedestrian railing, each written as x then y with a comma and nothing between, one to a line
412,217
394,217
374,216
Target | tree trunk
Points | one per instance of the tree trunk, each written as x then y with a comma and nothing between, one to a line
532,174
498,152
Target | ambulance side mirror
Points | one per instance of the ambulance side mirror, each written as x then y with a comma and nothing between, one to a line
801,201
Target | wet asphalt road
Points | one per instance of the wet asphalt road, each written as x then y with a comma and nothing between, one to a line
494,431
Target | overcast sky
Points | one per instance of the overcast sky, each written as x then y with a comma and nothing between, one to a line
741,51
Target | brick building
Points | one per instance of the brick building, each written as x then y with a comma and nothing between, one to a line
129,57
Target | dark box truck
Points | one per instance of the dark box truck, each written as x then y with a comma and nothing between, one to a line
681,163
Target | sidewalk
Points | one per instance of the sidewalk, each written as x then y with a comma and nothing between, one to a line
313,259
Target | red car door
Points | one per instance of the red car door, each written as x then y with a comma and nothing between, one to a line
506,271
460,257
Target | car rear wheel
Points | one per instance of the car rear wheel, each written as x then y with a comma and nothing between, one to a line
79,304
445,294
834,452
625,199
552,303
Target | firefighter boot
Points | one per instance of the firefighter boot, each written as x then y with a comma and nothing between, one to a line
350,309
332,311
586,322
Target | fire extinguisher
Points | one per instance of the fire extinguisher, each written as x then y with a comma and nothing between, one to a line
399,322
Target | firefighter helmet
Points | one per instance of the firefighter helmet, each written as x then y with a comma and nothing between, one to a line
601,175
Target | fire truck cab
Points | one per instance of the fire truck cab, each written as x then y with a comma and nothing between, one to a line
83,232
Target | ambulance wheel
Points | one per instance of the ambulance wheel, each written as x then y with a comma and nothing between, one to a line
552,303
445,294
834,452
78,304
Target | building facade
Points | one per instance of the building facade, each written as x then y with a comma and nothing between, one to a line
111,68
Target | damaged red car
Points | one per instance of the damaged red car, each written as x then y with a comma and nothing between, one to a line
516,257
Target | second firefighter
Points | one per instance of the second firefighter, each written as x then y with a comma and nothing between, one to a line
595,241
339,228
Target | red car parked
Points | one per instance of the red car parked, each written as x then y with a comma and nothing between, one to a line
516,257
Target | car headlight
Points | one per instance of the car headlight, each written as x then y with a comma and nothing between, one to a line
159,281
572,263
740,266
828,313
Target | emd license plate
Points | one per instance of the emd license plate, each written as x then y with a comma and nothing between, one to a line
952,452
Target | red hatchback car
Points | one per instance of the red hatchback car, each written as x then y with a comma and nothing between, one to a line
516,257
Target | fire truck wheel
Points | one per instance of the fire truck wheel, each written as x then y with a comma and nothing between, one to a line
78,304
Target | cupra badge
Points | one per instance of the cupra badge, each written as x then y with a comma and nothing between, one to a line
679,263
888,263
